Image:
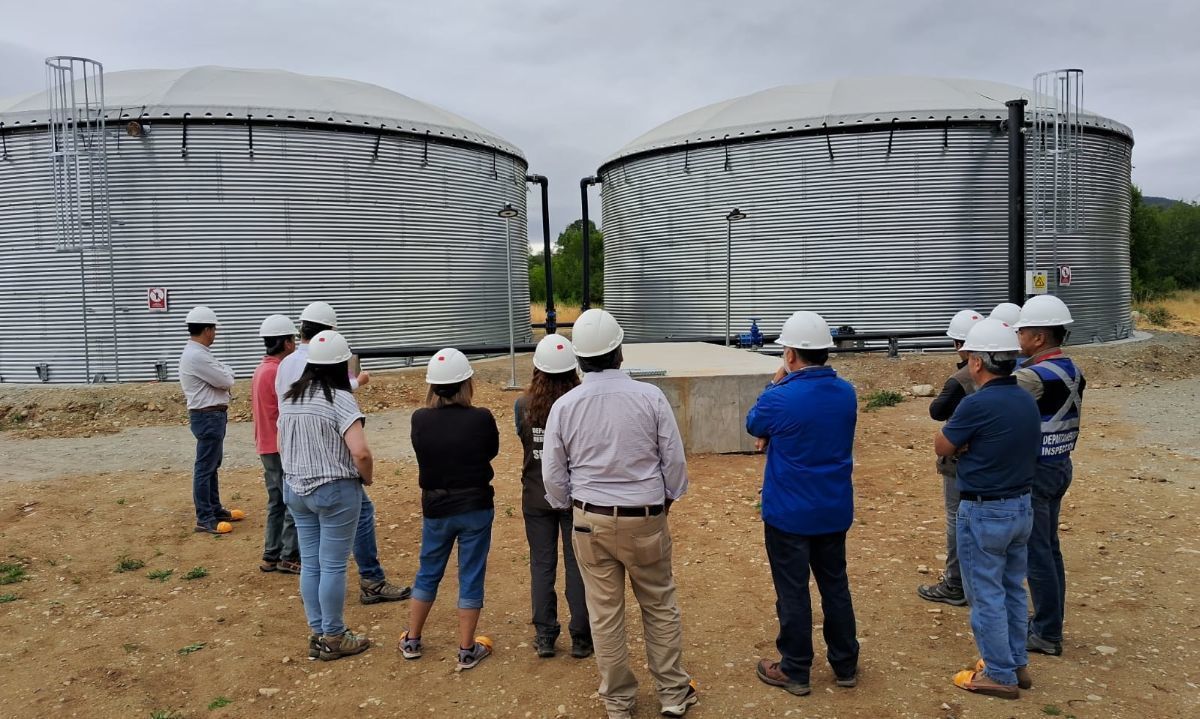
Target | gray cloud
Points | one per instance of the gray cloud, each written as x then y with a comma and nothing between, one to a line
571,83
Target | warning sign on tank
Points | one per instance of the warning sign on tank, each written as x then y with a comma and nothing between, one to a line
1036,282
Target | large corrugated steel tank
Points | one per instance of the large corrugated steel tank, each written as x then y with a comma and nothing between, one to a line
880,203
349,193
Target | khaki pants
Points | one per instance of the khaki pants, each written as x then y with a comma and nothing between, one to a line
641,548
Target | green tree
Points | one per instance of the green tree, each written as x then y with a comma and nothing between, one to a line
567,263
1164,247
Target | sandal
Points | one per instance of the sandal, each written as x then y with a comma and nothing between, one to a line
981,683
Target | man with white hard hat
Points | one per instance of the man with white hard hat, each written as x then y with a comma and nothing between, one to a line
206,383
612,450
373,585
1007,313
1057,385
949,590
806,419
995,434
281,552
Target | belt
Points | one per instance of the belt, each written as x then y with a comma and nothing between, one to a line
972,497
213,408
652,510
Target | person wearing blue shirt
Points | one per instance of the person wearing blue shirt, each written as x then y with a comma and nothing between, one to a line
805,420
995,433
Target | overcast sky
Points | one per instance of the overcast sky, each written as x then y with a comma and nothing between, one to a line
572,82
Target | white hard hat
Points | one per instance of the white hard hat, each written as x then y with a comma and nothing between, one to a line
554,355
448,366
962,323
202,316
328,347
1006,312
277,326
806,331
992,335
1044,311
595,333
321,313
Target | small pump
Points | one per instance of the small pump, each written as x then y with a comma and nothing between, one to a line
753,338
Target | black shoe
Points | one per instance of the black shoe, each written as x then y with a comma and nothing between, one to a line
1034,643
848,682
581,646
544,646
944,593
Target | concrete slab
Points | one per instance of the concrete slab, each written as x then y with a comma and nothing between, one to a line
710,388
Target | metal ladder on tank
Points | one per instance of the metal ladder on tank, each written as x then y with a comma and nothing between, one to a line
78,163
1056,149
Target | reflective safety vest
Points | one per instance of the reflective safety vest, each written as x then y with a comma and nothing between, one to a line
1060,406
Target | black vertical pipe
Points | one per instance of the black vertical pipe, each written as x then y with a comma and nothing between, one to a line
551,315
1016,201
586,303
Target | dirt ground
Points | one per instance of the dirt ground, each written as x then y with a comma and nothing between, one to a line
84,489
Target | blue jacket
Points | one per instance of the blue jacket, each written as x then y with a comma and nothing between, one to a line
809,418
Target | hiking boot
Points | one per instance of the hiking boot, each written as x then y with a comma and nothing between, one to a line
544,646
944,593
410,647
770,673
230,515
1024,678
381,591
1034,643
581,646
344,645
980,683
268,566
288,567
470,658
848,682
314,646
689,700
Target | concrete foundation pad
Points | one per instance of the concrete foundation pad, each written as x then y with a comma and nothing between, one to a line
710,388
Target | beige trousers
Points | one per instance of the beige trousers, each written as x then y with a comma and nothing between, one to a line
607,548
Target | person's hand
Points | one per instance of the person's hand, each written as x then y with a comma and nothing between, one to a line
367,481
780,373
364,378
760,444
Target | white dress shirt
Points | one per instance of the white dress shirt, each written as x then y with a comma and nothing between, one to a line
613,441
206,380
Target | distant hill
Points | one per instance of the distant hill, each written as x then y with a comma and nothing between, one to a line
1158,201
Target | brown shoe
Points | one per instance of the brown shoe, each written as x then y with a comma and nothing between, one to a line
1024,678
980,683
266,566
286,567
344,645
769,673
381,591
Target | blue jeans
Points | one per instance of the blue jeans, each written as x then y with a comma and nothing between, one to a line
473,532
1047,576
366,554
325,522
209,430
279,535
992,548
791,556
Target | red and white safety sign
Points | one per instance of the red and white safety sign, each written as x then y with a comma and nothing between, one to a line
156,299
1064,275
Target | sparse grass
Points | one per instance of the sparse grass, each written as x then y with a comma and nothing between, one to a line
121,501
1179,311
237,496
1157,315
11,573
219,702
164,714
1051,710
883,398
6,598
196,573
508,512
130,648
191,649
160,575
128,564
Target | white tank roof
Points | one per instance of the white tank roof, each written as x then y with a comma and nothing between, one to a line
216,92
840,103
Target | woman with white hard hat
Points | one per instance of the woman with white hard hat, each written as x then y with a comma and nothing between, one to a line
455,444
554,374
326,462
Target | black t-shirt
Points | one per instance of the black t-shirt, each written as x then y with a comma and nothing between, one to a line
455,447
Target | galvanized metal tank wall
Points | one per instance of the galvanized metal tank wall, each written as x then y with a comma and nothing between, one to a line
868,238
406,246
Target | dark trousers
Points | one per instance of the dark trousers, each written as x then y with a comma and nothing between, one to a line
791,556
546,530
1047,575
366,553
209,430
279,536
